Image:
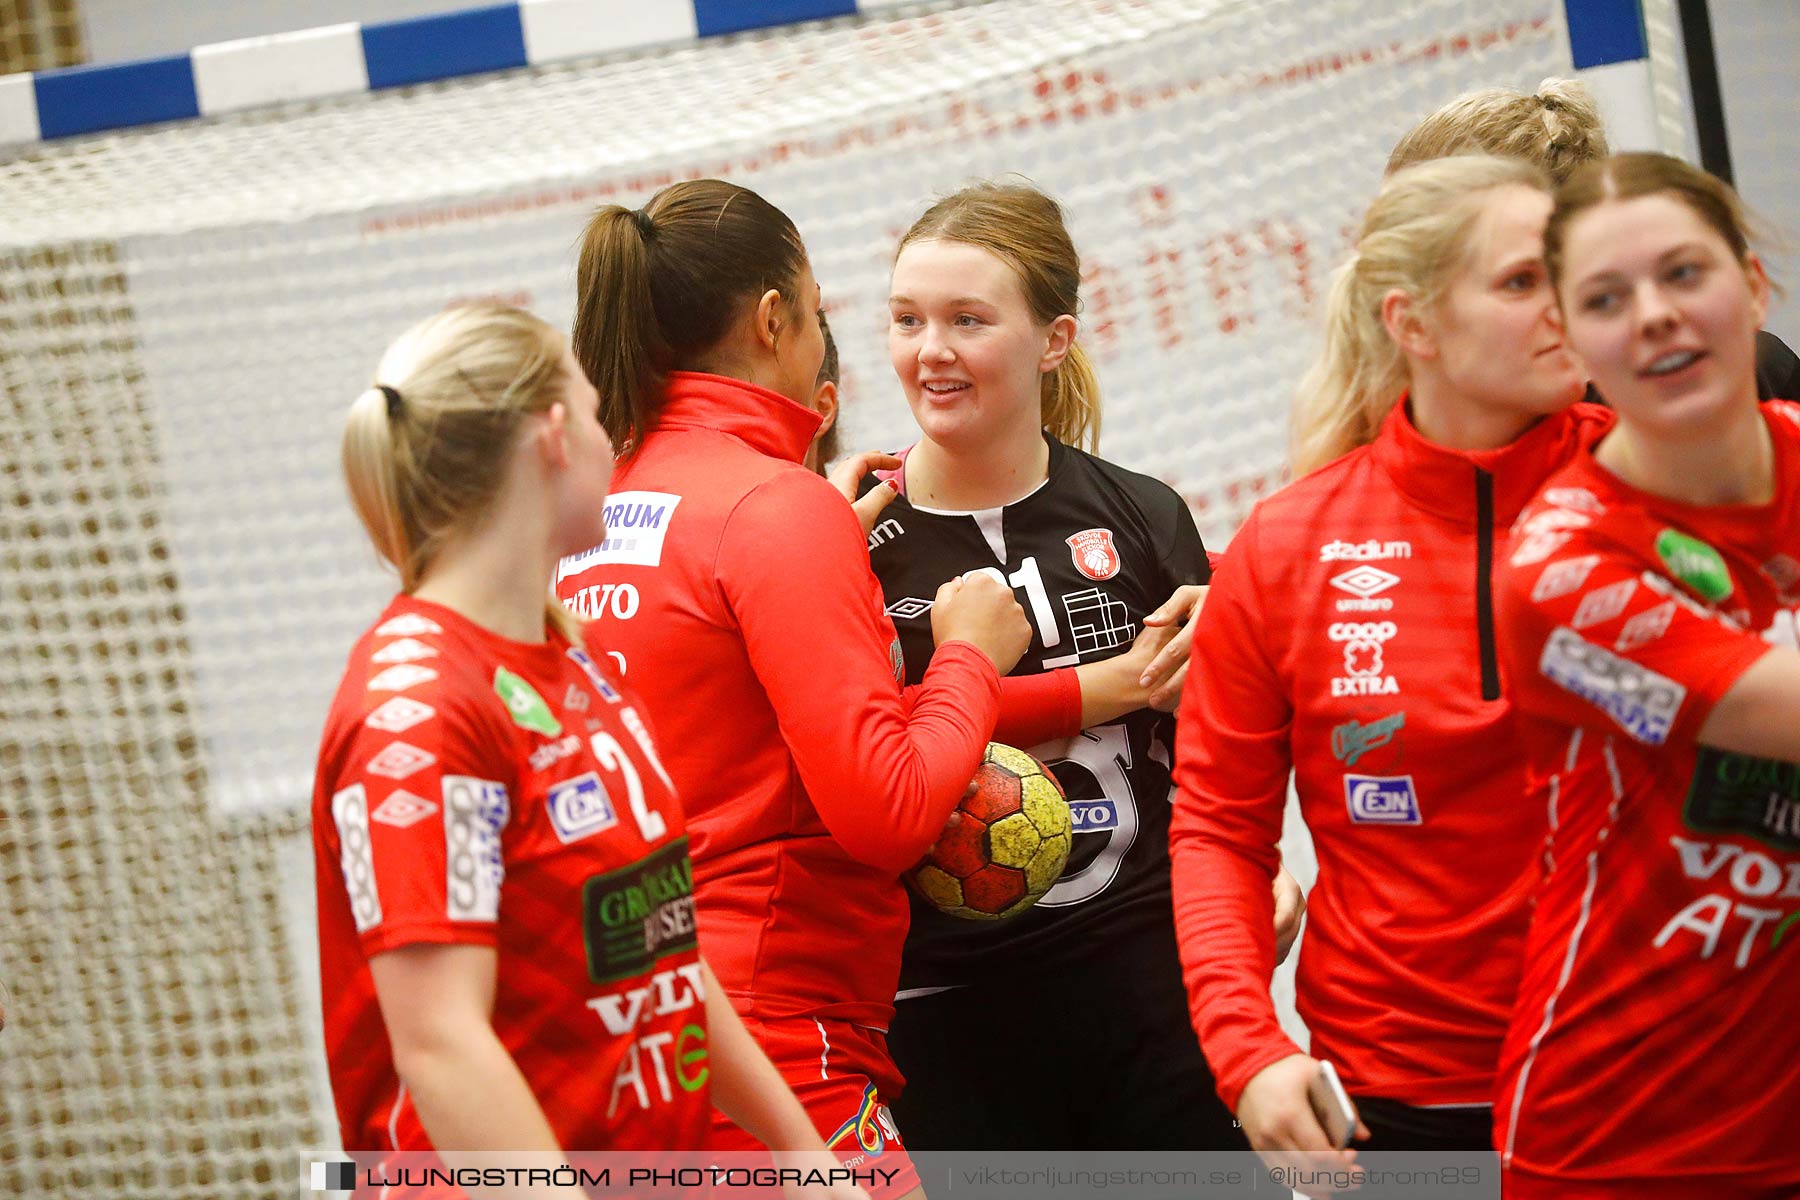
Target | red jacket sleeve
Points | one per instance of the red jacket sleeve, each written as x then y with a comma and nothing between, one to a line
1039,708
884,775
1033,708
1231,772
1597,638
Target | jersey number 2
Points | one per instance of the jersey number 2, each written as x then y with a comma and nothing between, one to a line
613,758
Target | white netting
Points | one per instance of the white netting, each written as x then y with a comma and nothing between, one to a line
1756,42
186,311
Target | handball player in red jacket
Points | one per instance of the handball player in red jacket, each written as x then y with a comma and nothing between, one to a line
488,795
734,587
1349,641
1647,623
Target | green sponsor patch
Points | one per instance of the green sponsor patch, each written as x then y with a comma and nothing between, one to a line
527,707
1735,793
1694,563
636,915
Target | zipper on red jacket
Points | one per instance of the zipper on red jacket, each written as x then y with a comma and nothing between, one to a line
1484,583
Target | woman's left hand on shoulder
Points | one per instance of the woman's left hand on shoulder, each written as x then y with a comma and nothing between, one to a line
847,474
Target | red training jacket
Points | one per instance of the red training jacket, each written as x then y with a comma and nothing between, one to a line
734,587
1348,638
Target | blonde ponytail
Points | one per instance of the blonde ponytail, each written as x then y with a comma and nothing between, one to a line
1415,239
1557,128
424,448
1071,401
368,459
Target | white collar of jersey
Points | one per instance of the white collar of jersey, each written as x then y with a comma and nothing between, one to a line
978,513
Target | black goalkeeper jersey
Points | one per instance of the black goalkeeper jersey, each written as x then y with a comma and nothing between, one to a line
1089,554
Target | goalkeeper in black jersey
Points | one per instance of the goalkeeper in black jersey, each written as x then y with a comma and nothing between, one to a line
1065,1027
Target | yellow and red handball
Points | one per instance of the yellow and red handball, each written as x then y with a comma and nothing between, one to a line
1009,847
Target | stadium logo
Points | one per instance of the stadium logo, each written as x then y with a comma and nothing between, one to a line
554,752
1366,584
1368,551
1093,553
579,807
1382,800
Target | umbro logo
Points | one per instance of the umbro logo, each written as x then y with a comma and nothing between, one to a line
1364,582
908,607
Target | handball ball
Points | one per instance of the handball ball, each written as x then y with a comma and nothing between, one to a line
1009,847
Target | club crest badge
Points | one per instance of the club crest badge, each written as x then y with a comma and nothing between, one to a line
1094,553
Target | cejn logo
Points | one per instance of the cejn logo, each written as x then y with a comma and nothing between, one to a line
579,807
1366,584
1382,800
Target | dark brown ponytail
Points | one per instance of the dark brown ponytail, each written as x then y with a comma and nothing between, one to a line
659,287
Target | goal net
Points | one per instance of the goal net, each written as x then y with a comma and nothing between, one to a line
186,312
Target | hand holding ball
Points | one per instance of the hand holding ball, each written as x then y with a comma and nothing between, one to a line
1009,845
